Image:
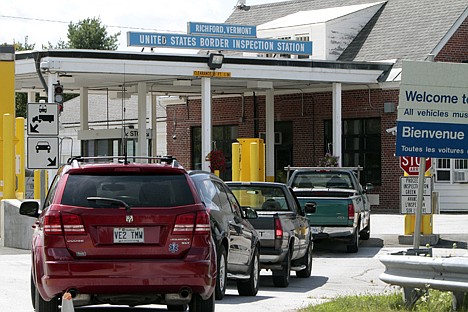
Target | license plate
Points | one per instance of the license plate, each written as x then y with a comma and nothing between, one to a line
129,235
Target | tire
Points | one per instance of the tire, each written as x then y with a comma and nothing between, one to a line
307,260
181,307
199,305
281,278
221,278
41,305
250,287
354,246
365,234
33,292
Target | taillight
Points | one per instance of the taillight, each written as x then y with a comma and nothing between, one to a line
52,223
350,212
186,223
203,223
71,224
278,228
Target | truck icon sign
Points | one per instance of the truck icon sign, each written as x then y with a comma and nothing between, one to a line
41,118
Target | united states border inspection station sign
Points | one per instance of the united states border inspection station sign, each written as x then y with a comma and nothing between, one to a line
433,110
228,37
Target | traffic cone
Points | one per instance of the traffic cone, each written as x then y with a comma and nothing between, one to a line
67,303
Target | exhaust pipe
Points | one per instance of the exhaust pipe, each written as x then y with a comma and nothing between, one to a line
79,299
184,296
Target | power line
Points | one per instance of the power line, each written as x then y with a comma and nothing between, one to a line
63,22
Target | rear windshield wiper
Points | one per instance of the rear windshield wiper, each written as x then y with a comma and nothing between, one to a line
114,201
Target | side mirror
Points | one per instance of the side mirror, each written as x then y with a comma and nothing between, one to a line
29,208
369,187
249,213
310,207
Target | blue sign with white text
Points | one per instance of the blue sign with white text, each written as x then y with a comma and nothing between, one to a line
428,139
162,40
221,30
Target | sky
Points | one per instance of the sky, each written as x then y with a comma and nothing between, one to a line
46,21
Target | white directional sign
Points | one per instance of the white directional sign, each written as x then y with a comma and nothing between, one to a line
43,119
43,152
409,195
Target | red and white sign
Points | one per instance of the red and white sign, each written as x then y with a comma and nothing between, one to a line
410,164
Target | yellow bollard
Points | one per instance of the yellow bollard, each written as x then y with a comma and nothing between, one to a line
37,184
20,152
254,170
7,104
9,178
235,161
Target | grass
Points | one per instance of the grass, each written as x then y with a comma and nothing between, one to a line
434,301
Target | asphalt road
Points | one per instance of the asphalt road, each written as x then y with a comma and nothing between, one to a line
334,273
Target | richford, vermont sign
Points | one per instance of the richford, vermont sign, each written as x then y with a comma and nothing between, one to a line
219,37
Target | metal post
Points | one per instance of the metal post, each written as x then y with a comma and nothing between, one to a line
206,121
337,128
417,225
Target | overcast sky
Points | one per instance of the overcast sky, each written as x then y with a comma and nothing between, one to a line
47,21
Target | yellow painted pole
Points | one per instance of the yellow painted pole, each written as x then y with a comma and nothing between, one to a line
235,161
7,98
254,162
37,184
9,178
20,152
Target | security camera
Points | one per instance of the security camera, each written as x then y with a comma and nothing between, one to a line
174,137
44,65
392,130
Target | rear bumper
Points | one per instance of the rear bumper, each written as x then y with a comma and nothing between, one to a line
332,232
124,277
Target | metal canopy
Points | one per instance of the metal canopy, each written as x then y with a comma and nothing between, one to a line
170,74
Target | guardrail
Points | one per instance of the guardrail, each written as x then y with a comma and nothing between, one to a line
416,274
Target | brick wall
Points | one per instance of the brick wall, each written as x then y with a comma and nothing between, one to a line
456,49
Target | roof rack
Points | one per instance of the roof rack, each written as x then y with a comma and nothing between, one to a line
170,160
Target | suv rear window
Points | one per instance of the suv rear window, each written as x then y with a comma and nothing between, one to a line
136,190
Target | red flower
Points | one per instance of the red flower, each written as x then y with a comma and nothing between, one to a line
217,160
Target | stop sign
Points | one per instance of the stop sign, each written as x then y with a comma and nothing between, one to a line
410,164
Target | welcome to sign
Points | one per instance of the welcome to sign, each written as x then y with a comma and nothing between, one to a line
433,110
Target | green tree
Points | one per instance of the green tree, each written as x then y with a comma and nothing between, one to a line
91,34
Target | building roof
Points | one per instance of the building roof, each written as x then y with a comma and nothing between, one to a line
402,29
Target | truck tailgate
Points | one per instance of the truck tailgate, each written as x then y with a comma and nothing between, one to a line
329,211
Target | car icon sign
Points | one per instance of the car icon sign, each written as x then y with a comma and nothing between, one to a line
42,146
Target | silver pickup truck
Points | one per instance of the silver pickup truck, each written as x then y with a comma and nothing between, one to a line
285,239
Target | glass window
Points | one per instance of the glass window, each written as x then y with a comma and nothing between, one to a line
360,146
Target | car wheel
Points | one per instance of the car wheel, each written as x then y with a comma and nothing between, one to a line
365,234
176,307
33,292
307,260
250,287
41,305
221,279
199,305
281,278
354,247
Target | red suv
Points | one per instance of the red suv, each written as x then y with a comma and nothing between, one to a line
122,234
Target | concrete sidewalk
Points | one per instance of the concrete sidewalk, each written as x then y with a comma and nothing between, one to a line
449,228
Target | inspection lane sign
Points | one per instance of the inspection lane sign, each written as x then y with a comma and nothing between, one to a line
163,40
43,152
433,110
43,119
409,195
